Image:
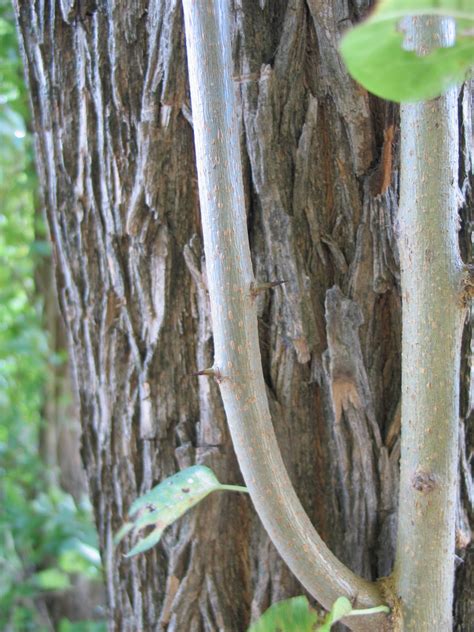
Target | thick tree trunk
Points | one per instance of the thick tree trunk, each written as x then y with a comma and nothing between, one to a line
116,160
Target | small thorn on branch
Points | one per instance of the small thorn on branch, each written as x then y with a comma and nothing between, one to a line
211,372
256,289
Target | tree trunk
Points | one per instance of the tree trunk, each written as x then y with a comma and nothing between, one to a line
115,155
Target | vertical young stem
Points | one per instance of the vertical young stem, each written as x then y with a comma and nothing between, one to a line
431,273
230,277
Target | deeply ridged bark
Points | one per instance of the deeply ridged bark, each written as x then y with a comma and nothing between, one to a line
116,161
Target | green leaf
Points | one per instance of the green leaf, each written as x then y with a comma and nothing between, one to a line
122,532
341,608
146,543
291,615
51,579
375,57
400,8
167,502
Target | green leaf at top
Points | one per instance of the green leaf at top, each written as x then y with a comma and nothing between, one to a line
400,8
375,57
167,502
290,615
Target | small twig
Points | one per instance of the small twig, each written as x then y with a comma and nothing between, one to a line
256,289
211,372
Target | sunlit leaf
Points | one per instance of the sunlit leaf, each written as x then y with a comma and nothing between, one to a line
291,615
375,55
182,490
167,502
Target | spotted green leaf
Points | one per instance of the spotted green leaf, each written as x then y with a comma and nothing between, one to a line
167,502
375,55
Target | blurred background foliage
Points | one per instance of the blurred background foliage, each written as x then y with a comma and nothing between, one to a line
48,544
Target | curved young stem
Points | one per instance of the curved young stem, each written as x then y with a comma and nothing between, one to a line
231,282
433,314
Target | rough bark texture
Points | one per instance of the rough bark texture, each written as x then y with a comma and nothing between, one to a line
464,593
115,155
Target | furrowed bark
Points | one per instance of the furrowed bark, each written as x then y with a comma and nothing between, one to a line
114,149
433,315
237,363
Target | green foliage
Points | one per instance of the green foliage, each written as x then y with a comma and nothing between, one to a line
167,502
376,55
290,615
82,626
296,615
45,537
